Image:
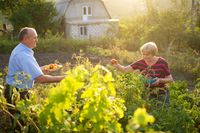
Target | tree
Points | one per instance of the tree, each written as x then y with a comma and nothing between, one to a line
7,7
36,13
175,26
195,13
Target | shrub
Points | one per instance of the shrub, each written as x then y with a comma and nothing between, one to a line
57,43
193,38
6,45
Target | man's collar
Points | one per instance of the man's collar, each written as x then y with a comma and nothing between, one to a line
26,47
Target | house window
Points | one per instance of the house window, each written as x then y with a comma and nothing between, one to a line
87,10
83,30
84,11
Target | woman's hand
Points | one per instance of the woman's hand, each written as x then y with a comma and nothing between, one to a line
158,81
164,80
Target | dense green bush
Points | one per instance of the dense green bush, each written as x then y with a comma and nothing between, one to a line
6,45
181,116
131,32
186,62
104,42
36,13
56,43
193,38
182,112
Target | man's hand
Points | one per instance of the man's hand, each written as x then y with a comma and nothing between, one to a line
50,68
43,68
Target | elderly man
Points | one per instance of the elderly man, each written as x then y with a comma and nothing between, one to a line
22,61
23,69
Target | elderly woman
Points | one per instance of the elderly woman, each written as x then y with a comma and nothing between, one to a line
153,68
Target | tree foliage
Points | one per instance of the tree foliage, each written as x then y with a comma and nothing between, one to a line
36,13
8,6
169,28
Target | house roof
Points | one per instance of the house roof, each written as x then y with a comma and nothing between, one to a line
105,8
62,5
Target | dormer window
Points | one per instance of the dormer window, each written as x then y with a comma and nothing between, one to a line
87,11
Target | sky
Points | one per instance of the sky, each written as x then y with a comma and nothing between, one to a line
128,8
123,8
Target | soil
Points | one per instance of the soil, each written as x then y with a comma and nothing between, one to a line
47,58
42,58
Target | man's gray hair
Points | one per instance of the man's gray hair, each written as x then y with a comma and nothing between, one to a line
23,32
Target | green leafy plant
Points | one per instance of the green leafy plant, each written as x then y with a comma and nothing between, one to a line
84,101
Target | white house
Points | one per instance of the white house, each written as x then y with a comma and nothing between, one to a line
85,19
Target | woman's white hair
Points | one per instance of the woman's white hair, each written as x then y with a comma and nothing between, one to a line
149,47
